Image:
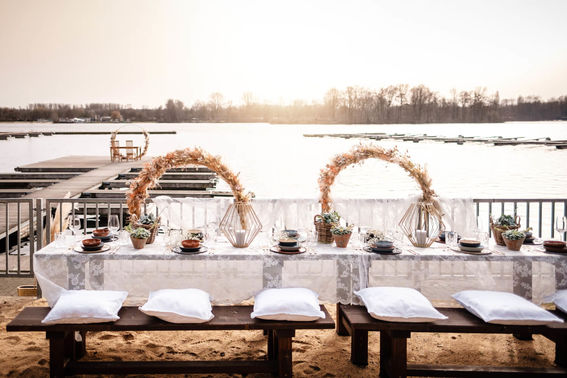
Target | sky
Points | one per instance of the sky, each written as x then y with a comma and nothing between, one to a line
142,52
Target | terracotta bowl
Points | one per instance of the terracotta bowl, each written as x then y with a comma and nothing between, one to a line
190,243
101,232
554,243
91,242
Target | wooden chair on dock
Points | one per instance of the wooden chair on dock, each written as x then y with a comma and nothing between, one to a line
130,155
115,150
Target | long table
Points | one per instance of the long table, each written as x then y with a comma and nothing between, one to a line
232,275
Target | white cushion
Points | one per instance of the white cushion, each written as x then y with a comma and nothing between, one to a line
560,300
398,304
503,308
293,304
86,306
179,305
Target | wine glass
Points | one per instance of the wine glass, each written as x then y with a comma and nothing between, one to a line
560,225
75,225
113,224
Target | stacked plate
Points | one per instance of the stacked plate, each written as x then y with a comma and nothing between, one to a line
555,246
470,245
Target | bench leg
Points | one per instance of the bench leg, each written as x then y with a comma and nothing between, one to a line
341,329
561,351
57,353
272,345
524,336
80,346
393,354
283,339
359,347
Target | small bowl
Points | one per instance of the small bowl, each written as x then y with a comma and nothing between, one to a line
387,244
288,242
554,243
471,243
190,243
442,236
291,233
101,232
529,234
91,242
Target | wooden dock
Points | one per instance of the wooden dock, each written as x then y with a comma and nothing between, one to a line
495,140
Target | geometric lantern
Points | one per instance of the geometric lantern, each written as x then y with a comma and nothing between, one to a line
240,224
421,223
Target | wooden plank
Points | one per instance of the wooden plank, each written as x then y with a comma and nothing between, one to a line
132,319
36,176
164,184
115,193
481,371
172,176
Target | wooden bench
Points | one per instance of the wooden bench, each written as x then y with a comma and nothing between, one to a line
356,322
65,351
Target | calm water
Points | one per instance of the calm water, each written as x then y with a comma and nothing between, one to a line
277,161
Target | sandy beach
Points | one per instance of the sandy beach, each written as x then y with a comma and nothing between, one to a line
315,353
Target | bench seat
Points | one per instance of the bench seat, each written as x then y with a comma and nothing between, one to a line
356,322
66,351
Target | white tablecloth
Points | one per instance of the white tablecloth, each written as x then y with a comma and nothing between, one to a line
234,275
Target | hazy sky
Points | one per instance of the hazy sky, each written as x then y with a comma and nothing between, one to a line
144,52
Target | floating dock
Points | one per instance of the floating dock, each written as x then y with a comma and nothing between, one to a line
495,140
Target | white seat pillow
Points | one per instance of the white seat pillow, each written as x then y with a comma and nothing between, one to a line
179,305
86,306
500,307
291,304
398,304
560,300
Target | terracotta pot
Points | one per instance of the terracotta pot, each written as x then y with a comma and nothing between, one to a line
138,243
342,240
324,234
513,245
152,228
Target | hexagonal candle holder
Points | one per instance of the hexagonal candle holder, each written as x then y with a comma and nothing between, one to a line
421,224
240,224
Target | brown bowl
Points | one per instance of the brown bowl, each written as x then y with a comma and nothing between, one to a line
554,243
190,243
91,242
101,232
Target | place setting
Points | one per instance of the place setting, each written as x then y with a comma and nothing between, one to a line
192,243
288,243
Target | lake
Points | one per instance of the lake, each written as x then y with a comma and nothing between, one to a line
277,161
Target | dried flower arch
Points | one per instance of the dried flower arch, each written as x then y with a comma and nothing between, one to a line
150,175
362,152
146,141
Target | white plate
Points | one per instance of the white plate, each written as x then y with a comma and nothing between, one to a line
80,249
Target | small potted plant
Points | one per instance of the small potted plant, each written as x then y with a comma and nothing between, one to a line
503,224
138,236
323,224
341,235
513,239
150,223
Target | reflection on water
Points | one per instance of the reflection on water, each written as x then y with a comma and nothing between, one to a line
277,161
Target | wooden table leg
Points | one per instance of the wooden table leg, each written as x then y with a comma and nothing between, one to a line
341,330
57,355
285,361
359,347
393,354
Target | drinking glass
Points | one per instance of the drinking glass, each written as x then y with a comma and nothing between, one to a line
451,238
123,238
75,225
59,240
483,238
362,230
113,224
212,231
560,225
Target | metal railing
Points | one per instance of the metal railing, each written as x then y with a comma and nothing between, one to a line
543,210
22,221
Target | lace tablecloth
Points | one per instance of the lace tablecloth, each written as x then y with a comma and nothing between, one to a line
233,275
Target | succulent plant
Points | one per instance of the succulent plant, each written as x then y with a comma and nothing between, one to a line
506,220
341,230
147,219
513,235
331,217
194,235
137,233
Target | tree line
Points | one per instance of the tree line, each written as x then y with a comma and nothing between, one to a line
392,104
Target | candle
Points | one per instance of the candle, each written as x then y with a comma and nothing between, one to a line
240,236
421,237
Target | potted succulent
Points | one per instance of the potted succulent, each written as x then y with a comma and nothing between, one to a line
150,223
341,235
138,236
323,224
502,224
513,239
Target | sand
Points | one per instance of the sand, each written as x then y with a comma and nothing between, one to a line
315,353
